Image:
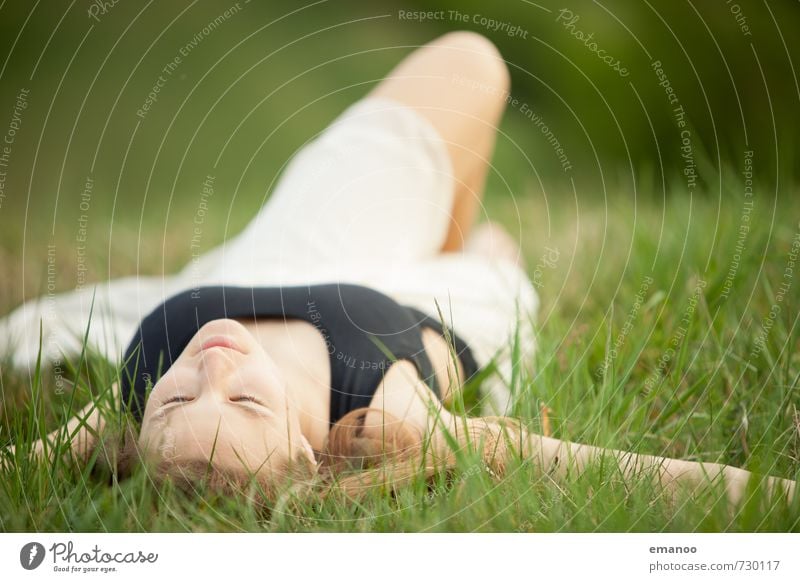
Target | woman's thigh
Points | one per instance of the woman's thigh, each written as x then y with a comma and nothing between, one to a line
459,82
398,177
374,189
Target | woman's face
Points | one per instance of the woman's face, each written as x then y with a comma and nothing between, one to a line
223,400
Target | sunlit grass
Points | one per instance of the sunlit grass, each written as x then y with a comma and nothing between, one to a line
639,349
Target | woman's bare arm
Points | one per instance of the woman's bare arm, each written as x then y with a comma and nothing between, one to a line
558,456
81,431
408,400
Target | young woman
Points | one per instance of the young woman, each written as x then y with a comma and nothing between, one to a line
353,307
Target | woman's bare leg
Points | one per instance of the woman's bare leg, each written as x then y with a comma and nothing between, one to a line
459,82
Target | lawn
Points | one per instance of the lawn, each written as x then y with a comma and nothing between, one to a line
669,315
669,325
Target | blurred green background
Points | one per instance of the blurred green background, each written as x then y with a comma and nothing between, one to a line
256,84
268,76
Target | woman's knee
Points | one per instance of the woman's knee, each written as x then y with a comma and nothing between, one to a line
457,73
474,58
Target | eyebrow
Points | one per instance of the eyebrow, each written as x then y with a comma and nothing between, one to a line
254,412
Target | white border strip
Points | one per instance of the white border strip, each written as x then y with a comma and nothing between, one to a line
407,557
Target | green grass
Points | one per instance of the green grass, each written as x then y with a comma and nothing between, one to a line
620,297
694,373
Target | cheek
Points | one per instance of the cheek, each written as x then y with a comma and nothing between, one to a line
258,369
180,375
178,379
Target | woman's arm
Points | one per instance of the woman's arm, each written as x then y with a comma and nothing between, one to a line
558,456
81,431
409,401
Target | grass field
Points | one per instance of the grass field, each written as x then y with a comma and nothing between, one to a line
669,325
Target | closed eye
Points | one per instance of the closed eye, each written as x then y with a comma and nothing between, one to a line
247,398
178,398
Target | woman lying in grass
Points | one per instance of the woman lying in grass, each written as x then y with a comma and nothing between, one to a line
326,341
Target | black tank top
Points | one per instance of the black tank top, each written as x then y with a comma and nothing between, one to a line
364,331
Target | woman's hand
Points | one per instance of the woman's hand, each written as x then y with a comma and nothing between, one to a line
36,449
673,474
81,431
676,473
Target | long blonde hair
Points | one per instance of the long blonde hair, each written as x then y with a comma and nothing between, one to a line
353,462
357,461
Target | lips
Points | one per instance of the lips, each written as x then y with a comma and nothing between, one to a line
220,341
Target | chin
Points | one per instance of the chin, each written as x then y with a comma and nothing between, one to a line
227,333
220,325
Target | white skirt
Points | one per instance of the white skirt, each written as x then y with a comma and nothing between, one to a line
368,202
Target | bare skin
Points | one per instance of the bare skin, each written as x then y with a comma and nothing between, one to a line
467,119
258,392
